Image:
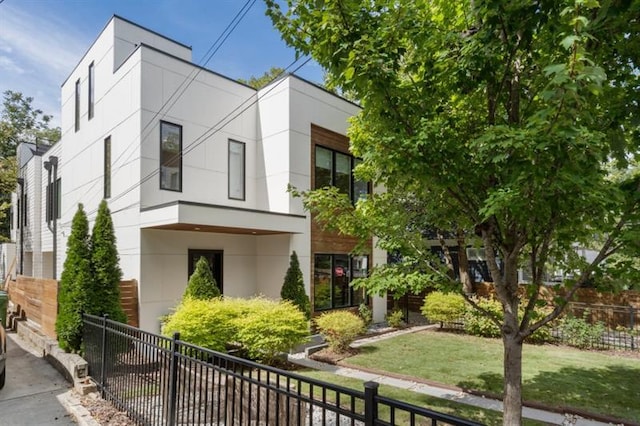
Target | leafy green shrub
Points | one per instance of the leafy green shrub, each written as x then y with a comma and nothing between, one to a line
365,312
201,284
477,324
269,327
395,318
444,307
206,323
72,296
293,287
579,333
339,329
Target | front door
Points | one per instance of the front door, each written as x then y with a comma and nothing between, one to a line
214,257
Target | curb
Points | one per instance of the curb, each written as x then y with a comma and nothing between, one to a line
72,404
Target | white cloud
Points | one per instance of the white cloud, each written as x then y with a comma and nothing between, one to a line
9,65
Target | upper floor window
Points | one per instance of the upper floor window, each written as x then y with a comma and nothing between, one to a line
236,170
335,168
170,156
54,200
91,90
107,167
77,106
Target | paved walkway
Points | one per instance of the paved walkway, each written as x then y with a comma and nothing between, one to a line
435,391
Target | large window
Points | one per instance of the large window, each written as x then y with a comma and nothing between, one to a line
77,106
333,274
214,258
170,156
91,90
107,167
236,170
335,168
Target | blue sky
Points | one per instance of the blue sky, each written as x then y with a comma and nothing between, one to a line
42,40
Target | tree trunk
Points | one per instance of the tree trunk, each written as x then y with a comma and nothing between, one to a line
512,380
463,264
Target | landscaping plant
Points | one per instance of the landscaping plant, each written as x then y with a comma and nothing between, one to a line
293,287
444,307
339,329
365,312
580,333
201,284
103,290
72,293
395,318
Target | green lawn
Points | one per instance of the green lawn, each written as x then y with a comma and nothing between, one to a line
488,417
559,376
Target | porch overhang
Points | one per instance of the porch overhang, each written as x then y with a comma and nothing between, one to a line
191,216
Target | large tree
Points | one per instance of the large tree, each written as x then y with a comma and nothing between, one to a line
19,122
502,118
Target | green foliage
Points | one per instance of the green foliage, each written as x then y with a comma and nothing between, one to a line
201,284
206,323
580,333
444,307
269,328
293,287
395,319
103,290
339,329
478,324
72,293
264,79
261,327
365,312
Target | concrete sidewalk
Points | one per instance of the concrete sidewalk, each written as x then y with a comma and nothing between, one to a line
435,391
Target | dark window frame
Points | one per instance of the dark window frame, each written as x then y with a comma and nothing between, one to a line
218,255
107,168
244,170
353,301
353,162
77,105
91,91
179,159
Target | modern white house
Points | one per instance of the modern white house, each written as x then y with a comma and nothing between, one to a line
192,164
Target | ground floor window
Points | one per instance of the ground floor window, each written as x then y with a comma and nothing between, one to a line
214,257
333,274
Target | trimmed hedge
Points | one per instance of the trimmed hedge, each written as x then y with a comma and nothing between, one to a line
339,329
261,327
444,307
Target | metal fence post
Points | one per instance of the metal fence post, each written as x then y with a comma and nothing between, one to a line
370,404
173,381
103,375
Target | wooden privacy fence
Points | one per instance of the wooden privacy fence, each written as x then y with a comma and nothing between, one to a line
36,300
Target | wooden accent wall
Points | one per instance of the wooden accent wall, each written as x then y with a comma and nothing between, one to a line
129,301
36,299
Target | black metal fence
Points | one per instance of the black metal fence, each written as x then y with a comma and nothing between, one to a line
162,381
609,326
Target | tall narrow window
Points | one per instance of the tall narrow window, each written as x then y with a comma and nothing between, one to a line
324,167
236,170
57,208
170,156
91,90
333,274
77,106
107,167
333,168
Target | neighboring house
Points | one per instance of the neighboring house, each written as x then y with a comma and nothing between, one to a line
192,164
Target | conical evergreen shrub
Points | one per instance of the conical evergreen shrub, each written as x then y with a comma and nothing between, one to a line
104,288
202,285
72,295
293,287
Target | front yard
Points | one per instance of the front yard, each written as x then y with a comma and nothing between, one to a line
603,383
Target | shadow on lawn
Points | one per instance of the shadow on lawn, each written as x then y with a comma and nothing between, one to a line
611,390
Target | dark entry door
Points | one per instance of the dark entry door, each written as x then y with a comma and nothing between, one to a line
214,257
